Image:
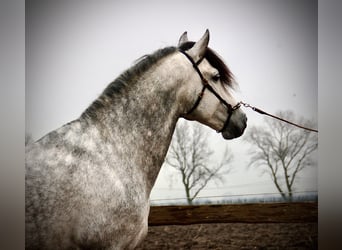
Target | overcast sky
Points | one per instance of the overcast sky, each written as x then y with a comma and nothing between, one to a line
75,48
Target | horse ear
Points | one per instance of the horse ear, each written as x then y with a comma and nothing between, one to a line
198,50
183,38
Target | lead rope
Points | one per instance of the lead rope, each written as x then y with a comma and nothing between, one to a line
276,117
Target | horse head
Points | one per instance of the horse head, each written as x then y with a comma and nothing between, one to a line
209,87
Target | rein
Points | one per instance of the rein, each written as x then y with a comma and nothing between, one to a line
230,108
276,117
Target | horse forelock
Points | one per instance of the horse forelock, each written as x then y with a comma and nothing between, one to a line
215,60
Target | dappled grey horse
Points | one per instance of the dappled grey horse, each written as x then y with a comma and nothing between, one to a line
88,183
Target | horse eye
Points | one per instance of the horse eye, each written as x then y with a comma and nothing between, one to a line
216,77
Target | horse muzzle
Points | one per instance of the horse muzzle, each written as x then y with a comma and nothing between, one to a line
235,127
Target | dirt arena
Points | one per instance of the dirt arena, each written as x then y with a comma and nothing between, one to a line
244,226
233,236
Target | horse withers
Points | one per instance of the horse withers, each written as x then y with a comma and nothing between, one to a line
88,183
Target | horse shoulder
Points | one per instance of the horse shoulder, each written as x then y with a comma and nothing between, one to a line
90,202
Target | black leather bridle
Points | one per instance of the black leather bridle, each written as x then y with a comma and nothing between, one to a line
206,85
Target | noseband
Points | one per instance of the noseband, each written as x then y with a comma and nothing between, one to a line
206,85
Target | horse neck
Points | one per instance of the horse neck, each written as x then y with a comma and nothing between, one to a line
141,120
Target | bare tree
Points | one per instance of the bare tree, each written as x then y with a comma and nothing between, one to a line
190,154
282,151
